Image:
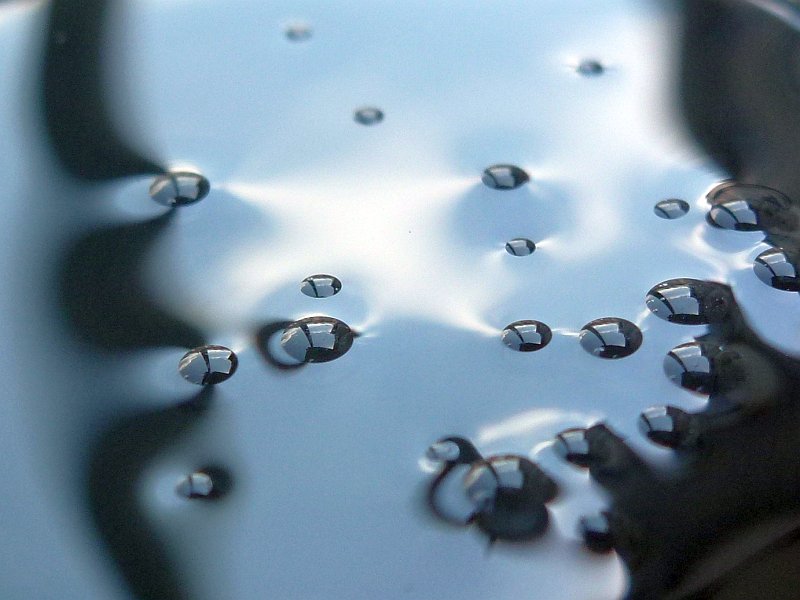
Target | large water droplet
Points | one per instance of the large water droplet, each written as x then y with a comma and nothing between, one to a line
208,365
748,207
520,247
590,67
610,337
321,286
298,32
672,208
689,301
777,269
665,425
692,366
526,336
504,177
596,533
317,339
572,446
179,188
369,115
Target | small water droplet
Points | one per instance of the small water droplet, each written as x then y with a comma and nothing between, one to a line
196,485
298,32
526,336
690,301
368,115
596,533
777,269
692,366
321,286
666,426
572,446
520,247
672,208
504,177
590,67
179,188
317,339
208,365
748,207
610,337
443,451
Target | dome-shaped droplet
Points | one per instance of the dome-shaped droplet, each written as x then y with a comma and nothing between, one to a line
690,301
590,67
526,336
692,366
208,365
520,247
179,188
775,268
321,286
369,115
317,339
596,533
298,32
504,177
610,337
196,485
748,207
509,493
572,446
672,208
665,425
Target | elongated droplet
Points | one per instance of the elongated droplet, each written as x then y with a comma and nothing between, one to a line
690,301
520,247
777,269
317,339
504,177
368,115
671,209
179,188
208,365
526,336
321,286
610,337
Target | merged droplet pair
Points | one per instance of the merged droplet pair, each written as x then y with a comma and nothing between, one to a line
610,337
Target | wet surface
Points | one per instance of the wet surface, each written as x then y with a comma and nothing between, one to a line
560,124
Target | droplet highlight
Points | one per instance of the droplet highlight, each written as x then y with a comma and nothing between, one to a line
520,247
777,269
526,336
317,339
691,366
690,301
368,115
666,426
179,188
504,177
208,365
321,286
672,208
572,446
610,337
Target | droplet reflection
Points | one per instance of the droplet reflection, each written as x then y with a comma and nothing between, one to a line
321,286
179,188
504,177
671,209
520,247
610,337
208,365
775,268
526,336
317,339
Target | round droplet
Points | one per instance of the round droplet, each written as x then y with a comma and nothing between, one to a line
748,207
690,301
208,365
298,32
196,485
526,336
179,188
610,337
665,425
317,339
672,208
520,247
590,68
572,446
321,286
368,115
775,268
692,366
504,177
596,533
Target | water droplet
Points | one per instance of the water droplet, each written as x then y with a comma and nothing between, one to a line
179,188
610,337
665,425
504,177
672,208
690,301
590,67
509,493
526,336
520,247
208,365
298,32
196,485
317,339
747,207
321,286
572,446
692,366
596,533
775,268
443,451
368,115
